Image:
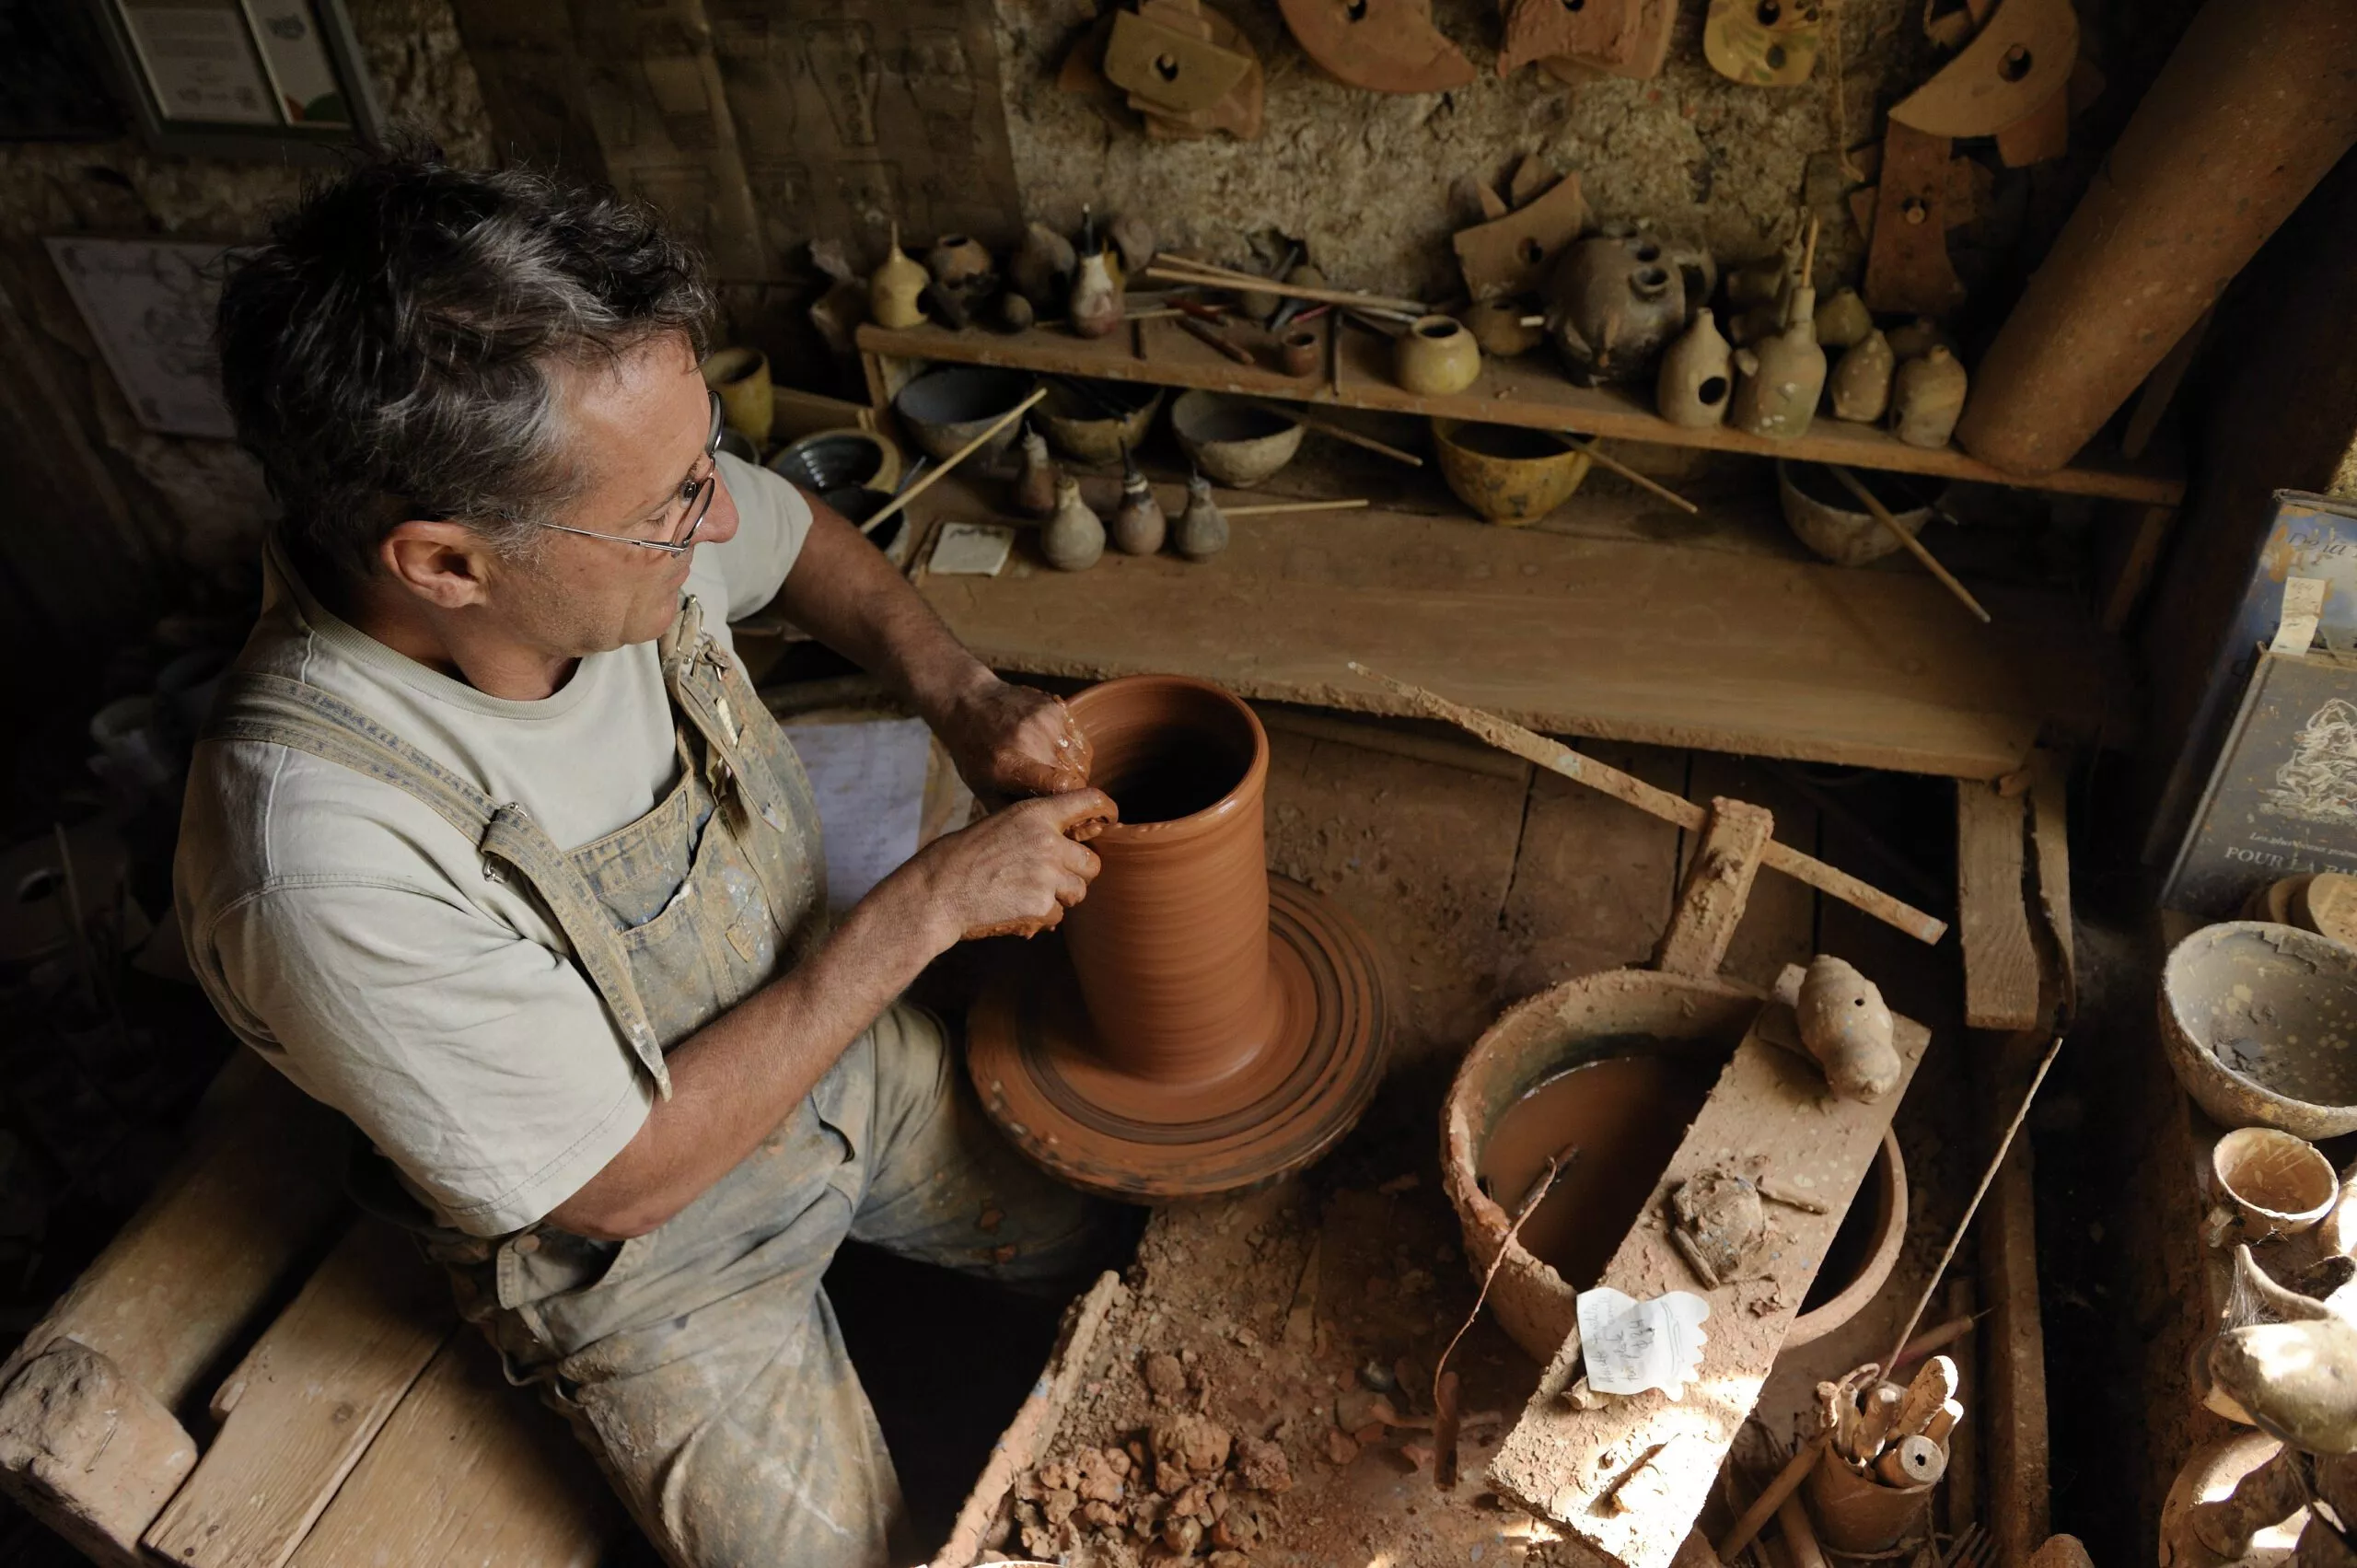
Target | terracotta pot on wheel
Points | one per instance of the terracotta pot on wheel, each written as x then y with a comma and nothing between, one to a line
1196,1026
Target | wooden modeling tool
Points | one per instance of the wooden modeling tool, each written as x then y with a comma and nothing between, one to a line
960,456
1881,514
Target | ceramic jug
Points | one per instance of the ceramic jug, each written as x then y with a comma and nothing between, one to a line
1436,358
1784,377
1072,538
1095,308
1697,376
1613,302
1203,527
1927,398
1860,384
1138,523
1035,487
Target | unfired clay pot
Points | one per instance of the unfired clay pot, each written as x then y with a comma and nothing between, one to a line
959,261
1613,301
1035,486
1203,529
1138,527
1436,358
1843,320
1236,443
1171,946
1927,398
1860,383
1073,536
1697,376
1783,379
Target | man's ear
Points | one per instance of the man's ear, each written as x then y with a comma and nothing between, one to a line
443,563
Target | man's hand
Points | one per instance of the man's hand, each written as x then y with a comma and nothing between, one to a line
1015,872
1013,741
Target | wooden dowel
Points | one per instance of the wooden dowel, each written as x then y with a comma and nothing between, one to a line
960,456
1594,451
1205,332
1881,513
1276,507
1555,757
1800,1538
1764,1507
1339,431
1244,283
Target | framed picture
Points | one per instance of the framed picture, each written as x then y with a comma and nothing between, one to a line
149,305
268,78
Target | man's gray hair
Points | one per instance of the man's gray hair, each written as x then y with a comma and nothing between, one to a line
392,352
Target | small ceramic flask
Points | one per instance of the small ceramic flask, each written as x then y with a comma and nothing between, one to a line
893,288
1860,384
1072,538
1139,525
1928,398
1035,487
1697,374
1783,376
1095,308
1203,527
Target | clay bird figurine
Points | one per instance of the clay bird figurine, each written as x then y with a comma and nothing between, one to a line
1845,1025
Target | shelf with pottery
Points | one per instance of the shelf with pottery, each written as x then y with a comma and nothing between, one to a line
1618,638
1527,390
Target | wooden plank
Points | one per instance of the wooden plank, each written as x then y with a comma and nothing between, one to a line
182,1283
2050,838
2013,1381
1778,924
1594,879
2001,976
1527,390
306,1401
88,1452
469,1470
1627,640
1718,882
1566,1463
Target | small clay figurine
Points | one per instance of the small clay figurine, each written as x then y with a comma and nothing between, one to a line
1035,487
1783,376
1697,374
1095,306
893,288
1203,527
1138,523
1845,1025
1073,536
1927,398
1860,384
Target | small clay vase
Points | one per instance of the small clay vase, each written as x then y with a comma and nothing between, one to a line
1614,301
1035,487
1697,376
1927,398
1139,525
1095,308
1203,527
1783,376
1073,536
893,288
959,263
1860,384
1297,352
1436,358
1496,325
1042,269
1843,321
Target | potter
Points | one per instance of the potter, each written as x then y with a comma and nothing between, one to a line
494,848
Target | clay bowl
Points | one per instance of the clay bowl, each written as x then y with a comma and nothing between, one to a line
1829,520
836,459
1081,423
1507,473
947,407
1233,444
2258,1020
2281,1185
2211,1475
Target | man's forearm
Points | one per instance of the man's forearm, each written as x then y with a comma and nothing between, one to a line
845,594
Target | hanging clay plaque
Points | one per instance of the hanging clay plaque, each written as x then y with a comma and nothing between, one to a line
1384,46
1764,43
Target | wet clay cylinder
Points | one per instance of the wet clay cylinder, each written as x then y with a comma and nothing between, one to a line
1171,946
2255,104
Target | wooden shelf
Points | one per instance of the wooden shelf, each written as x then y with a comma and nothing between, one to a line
1527,391
1620,639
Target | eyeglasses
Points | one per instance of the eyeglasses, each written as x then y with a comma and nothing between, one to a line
695,496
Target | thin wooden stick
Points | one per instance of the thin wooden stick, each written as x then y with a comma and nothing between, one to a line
1205,332
1594,451
1202,277
960,456
1276,507
1857,487
1764,1507
1339,431
1555,757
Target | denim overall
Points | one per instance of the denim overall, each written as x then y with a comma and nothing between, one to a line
701,1362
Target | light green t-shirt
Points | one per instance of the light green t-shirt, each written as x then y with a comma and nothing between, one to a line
347,932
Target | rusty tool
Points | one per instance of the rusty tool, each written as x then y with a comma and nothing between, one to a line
1556,757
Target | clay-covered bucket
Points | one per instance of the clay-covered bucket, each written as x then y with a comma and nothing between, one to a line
1857,1513
1171,946
2259,1022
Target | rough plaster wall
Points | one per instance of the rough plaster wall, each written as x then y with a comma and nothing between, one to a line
194,504
1365,178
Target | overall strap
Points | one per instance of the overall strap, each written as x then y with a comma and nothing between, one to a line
276,711
697,674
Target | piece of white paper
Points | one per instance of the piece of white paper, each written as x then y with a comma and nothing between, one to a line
1631,1345
2302,608
868,776
971,549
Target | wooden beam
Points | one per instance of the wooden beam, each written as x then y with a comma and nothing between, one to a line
2001,976
1567,1464
2013,1379
306,1401
1718,884
88,1452
467,1471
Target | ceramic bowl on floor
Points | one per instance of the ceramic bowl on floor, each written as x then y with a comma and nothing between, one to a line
947,407
1233,443
1090,422
1508,473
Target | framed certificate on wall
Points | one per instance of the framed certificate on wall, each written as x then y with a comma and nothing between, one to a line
224,78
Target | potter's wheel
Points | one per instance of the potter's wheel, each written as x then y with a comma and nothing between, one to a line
1031,1052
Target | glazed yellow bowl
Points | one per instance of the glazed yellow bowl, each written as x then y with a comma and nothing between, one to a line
1508,473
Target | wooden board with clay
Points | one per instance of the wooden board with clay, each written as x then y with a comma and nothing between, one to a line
1583,1467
